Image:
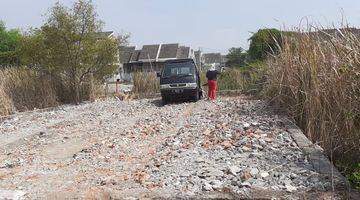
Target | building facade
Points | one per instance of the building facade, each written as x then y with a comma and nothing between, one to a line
213,60
150,58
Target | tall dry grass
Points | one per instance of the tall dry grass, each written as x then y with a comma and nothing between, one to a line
145,83
232,79
316,77
24,89
6,104
249,79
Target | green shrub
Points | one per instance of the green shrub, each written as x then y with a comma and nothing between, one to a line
355,177
263,43
352,172
9,41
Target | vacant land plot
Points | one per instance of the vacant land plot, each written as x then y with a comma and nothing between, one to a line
230,148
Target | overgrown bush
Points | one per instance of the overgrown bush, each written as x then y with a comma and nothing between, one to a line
263,43
316,77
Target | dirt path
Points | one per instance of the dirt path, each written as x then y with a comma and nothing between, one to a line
233,147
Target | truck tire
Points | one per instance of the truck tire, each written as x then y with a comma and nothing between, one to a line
164,101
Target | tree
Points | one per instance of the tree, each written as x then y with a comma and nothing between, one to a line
236,57
69,46
9,41
263,42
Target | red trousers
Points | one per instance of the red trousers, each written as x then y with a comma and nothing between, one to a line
212,89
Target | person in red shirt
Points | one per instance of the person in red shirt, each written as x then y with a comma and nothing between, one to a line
211,75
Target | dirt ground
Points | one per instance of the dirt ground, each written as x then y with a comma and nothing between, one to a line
231,148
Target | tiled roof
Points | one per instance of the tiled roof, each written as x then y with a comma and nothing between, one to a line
149,52
135,56
126,53
168,51
183,52
152,52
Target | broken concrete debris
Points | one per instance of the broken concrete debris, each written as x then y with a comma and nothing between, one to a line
130,146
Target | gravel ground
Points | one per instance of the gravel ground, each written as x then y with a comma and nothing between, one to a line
110,149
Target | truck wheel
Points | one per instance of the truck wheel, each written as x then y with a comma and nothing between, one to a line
164,101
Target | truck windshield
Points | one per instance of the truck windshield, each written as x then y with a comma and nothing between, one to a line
179,69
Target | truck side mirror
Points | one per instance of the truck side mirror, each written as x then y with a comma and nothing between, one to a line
158,74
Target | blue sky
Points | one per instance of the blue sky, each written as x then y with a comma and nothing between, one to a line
213,25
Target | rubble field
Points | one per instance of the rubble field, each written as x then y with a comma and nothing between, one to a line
231,148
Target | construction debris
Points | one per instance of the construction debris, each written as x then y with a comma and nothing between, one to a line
138,147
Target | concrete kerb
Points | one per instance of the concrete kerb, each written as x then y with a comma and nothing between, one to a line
321,164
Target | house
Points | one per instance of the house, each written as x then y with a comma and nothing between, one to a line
112,35
150,58
224,60
214,59
106,34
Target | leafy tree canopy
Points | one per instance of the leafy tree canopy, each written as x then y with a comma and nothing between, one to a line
9,41
236,57
263,42
70,47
